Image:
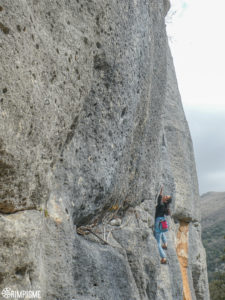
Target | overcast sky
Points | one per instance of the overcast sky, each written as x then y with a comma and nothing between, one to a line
197,40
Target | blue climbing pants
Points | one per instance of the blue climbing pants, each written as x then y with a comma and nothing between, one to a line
160,236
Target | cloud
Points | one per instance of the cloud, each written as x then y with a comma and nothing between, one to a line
198,47
213,182
207,130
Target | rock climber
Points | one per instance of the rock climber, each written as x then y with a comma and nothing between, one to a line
162,210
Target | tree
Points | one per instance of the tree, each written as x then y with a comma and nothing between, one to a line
217,286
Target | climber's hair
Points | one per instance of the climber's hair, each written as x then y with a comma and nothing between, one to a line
169,199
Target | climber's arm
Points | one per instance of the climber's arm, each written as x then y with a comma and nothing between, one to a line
161,191
159,202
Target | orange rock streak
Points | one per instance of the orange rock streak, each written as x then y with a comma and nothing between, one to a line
182,254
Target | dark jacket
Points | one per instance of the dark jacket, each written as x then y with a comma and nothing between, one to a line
162,209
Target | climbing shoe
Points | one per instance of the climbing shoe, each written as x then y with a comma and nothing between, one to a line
164,246
163,261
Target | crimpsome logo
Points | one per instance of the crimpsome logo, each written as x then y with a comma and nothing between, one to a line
9,293
6,292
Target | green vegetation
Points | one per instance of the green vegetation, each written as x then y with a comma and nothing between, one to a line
213,241
46,213
217,283
217,287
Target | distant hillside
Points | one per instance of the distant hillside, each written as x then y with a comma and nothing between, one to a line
213,229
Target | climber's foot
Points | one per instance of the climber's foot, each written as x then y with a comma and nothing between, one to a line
164,246
163,261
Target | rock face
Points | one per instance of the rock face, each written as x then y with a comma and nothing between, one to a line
91,126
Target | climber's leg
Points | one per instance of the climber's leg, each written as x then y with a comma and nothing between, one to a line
158,238
163,236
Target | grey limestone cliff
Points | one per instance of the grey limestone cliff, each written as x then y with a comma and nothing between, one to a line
91,126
